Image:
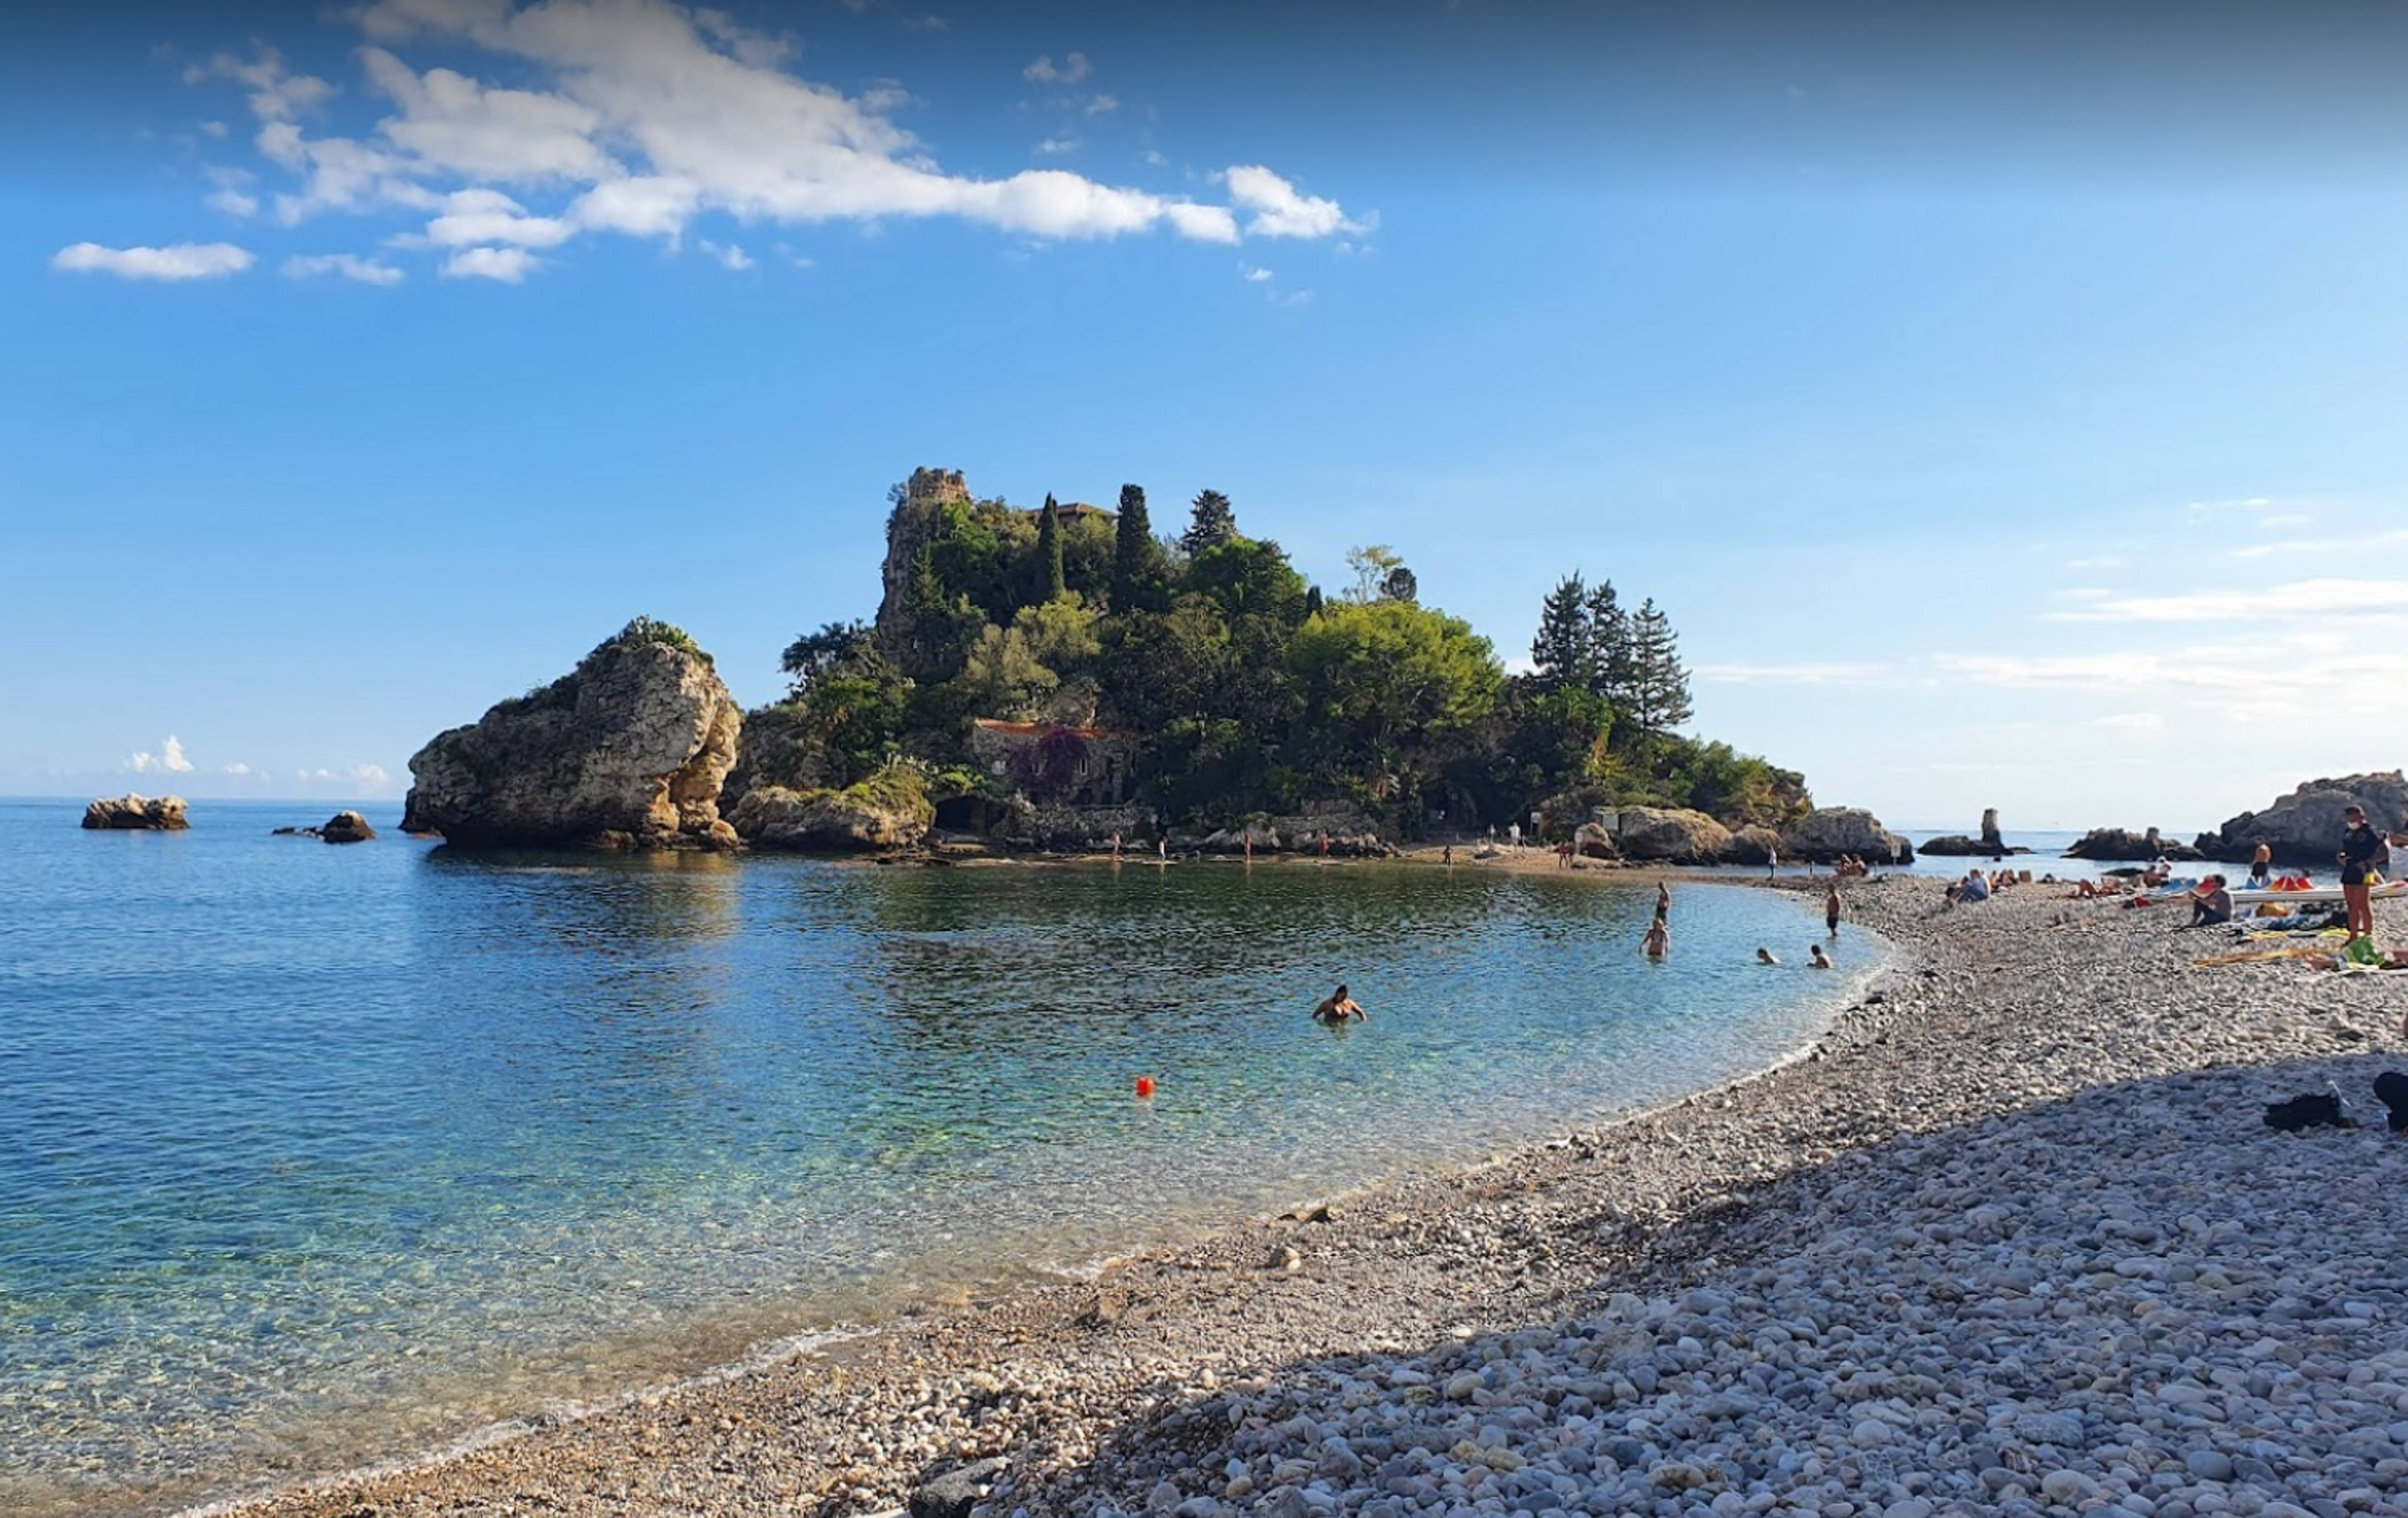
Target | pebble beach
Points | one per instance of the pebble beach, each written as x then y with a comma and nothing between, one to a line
2011,1237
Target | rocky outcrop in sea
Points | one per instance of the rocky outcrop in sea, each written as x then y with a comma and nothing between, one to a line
1827,832
129,812
625,751
2305,827
2124,844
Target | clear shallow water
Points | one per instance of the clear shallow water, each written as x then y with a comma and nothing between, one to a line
314,1154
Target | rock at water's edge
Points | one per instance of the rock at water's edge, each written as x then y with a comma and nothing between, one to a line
157,814
1826,833
2305,827
626,751
2124,844
1677,835
773,816
1752,845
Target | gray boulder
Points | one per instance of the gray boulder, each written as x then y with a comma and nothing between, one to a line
625,751
854,820
955,1492
346,828
1752,845
130,812
1676,835
2305,827
2124,844
1590,841
1826,833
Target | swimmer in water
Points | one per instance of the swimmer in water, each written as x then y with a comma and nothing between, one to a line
1339,1008
1658,942
1816,959
1763,956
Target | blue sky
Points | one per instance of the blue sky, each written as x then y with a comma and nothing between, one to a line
2005,404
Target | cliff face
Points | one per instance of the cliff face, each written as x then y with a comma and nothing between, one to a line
2305,827
908,529
626,751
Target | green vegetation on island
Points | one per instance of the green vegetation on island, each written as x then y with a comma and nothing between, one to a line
1070,655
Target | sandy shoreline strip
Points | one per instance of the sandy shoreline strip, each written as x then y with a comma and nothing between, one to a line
1136,1391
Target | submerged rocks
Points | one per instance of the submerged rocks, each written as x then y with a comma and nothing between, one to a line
625,751
2305,827
129,812
1677,835
1826,833
2124,844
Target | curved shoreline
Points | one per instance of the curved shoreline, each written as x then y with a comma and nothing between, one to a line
1052,1375
1027,1290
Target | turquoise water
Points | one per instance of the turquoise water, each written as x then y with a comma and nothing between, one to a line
310,1155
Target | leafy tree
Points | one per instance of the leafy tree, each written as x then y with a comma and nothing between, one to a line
1002,676
1137,558
1249,578
1659,696
853,722
1061,634
1401,585
1380,674
814,654
1212,524
1052,582
1372,563
938,625
1564,653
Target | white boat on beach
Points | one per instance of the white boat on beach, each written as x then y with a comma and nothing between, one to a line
2314,895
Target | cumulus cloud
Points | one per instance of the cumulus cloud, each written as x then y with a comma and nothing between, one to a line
170,760
176,262
1044,70
546,122
728,255
348,266
1280,211
232,202
367,775
1255,274
237,769
506,265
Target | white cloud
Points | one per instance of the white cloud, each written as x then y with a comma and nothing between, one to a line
237,768
1785,675
1052,146
232,202
547,121
2130,722
2300,597
1072,68
1155,158
213,129
178,261
350,265
483,216
1280,211
367,775
509,266
729,256
1255,274
170,760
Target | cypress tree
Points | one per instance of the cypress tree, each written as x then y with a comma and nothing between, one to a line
1051,584
1135,553
1212,524
1660,686
1563,651
1313,603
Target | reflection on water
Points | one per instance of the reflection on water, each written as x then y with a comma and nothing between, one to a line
307,1153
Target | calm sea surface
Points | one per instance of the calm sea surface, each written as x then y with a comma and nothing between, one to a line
310,1155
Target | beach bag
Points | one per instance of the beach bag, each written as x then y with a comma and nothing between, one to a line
2317,1110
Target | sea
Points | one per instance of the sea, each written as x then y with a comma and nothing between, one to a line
314,1156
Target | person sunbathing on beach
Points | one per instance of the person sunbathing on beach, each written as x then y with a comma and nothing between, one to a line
1816,959
2211,904
1341,1007
1658,942
1763,956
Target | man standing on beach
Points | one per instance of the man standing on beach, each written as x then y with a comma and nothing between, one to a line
2261,865
1831,910
1772,861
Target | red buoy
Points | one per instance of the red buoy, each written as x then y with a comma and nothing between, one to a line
1145,1086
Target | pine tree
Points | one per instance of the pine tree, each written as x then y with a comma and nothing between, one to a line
1660,686
1614,671
1313,603
1051,585
1563,651
1212,524
1136,557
